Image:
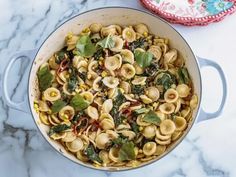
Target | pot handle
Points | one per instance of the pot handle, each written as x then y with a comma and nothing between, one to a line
205,115
23,105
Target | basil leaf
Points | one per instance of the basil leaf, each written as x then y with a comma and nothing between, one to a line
151,117
58,129
143,59
78,102
126,151
107,42
57,106
45,78
183,76
92,155
85,47
141,111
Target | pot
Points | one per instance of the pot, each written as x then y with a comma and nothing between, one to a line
106,16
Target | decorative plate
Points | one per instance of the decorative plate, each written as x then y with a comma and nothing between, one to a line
191,12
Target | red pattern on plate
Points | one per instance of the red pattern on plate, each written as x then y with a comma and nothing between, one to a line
189,21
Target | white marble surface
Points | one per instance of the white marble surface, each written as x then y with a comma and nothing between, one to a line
209,149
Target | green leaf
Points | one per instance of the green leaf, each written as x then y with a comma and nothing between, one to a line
85,47
151,117
137,44
118,142
45,78
141,111
92,155
143,59
126,151
73,80
183,76
107,42
135,127
137,89
166,81
58,129
79,103
57,106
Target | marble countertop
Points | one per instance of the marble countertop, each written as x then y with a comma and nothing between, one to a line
209,149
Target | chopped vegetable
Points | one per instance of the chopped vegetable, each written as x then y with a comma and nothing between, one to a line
107,42
57,106
151,117
143,59
137,44
73,80
45,78
85,47
141,111
126,151
137,89
166,81
78,102
60,55
58,129
152,69
98,54
92,155
135,127
183,76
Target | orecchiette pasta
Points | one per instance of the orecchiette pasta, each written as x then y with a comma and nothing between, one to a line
116,96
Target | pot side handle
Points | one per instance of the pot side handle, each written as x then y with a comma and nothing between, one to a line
21,106
205,115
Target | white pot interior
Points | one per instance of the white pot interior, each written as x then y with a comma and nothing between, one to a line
106,16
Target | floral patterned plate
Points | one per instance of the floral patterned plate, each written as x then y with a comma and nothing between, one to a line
191,12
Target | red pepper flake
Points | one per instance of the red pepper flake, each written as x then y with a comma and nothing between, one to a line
95,125
63,66
126,45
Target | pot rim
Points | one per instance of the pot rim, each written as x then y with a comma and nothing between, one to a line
118,169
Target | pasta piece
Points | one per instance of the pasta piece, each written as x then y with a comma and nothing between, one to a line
123,126
141,29
92,112
149,131
70,136
167,108
58,136
183,90
149,148
107,124
163,142
139,80
104,156
110,30
152,93
145,99
127,133
114,62
171,95
155,51
81,156
129,34
118,44
43,106
170,56
96,85
162,137
44,118
167,127
140,122
110,82
66,113
127,56
75,145
180,123
138,69
160,149
95,27
125,86
107,106
176,135
102,140
193,102
127,71
52,94
88,96
114,154
52,63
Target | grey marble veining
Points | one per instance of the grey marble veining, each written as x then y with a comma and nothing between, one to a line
208,150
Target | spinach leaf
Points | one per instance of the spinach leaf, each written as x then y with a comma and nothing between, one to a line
78,102
151,117
98,54
92,155
126,151
166,81
152,69
45,78
58,129
137,89
57,106
107,42
118,142
183,76
135,127
85,46
143,59
73,80
141,111
137,44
